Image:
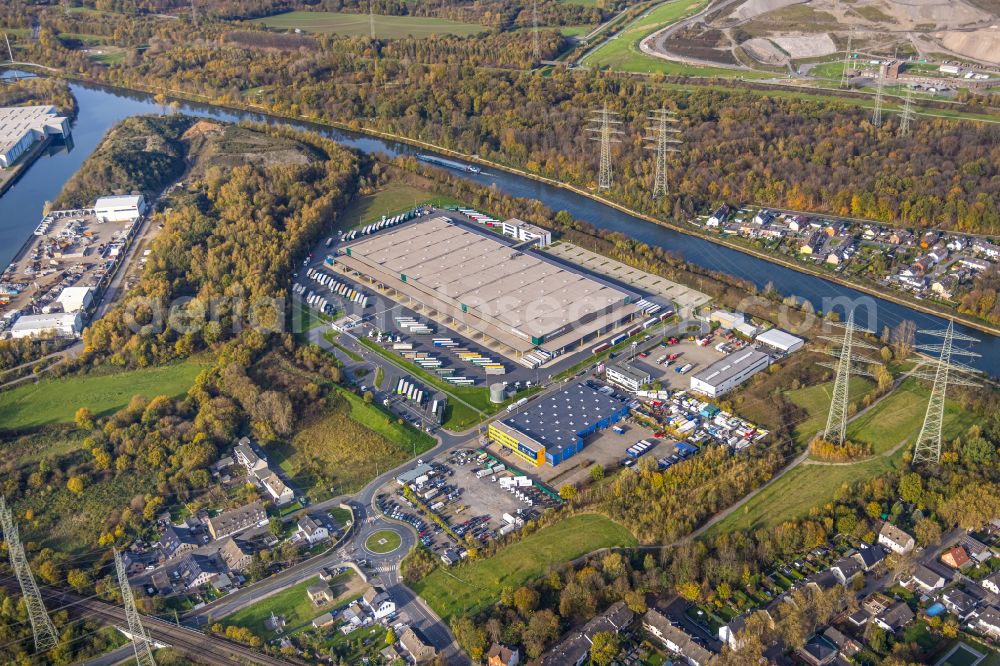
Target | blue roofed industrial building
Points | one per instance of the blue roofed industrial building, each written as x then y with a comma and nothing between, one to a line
554,429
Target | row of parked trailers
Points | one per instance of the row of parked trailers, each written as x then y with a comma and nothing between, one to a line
639,448
635,330
476,216
535,358
410,391
384,223
413,327
485,362
342,289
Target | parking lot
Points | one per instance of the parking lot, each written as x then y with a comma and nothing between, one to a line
659,366
463,490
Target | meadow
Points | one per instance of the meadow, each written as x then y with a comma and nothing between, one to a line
476,585
55,401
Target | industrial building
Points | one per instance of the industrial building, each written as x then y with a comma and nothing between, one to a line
779,340
523,231
76,299
120,208
726,374
23,126
627,376
519,301
553,430
57,324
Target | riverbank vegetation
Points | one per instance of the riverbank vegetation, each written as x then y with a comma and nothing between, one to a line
39,91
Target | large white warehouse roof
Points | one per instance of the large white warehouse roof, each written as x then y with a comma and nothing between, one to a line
781,340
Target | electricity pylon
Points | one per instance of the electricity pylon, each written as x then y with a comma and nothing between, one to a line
907,116
664,134
41,626
536,44
847,60
140,642
877,113
846,366
607,133
10,51
928,444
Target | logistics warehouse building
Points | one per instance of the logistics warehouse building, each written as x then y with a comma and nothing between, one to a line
23,126
726,374
554,429
516,299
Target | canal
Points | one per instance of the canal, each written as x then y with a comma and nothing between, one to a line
100,108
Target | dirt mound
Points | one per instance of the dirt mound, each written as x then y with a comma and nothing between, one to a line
764,51
202,128
753,8
981,45
806,46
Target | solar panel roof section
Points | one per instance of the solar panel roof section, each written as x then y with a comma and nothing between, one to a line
555,420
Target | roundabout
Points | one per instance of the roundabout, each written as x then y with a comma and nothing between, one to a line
383,542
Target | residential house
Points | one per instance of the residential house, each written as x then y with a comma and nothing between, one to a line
900,237
235,554
958,603
929,239
379,603
870,556
250,459
729,633
501,655
419,648
324,620
391,655
193,571
236,520
922,265
895,617
575,648
926,580
175,541
845,569
987,621
834,258
987,249
811,244
353,617
319,594
976,549
312,530
763,218
876,603
859,618
944,286
675,639
720,215
847,646
956,558
977,265
796,223
895,539
992,583
132,563
818,651
276,488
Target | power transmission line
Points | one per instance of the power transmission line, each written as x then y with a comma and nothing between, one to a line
371,19
143,653
41,625
535,40
836,420
877,113
907,117
847,60
928,445
664,135
608,133
10,51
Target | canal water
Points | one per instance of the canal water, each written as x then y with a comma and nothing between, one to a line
100,108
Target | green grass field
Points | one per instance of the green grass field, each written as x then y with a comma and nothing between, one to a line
621,52
897,418
816,400
347,446
391,200
472,587
54,401
293,604
383,541
358,24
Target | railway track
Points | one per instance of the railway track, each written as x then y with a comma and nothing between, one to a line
205,649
